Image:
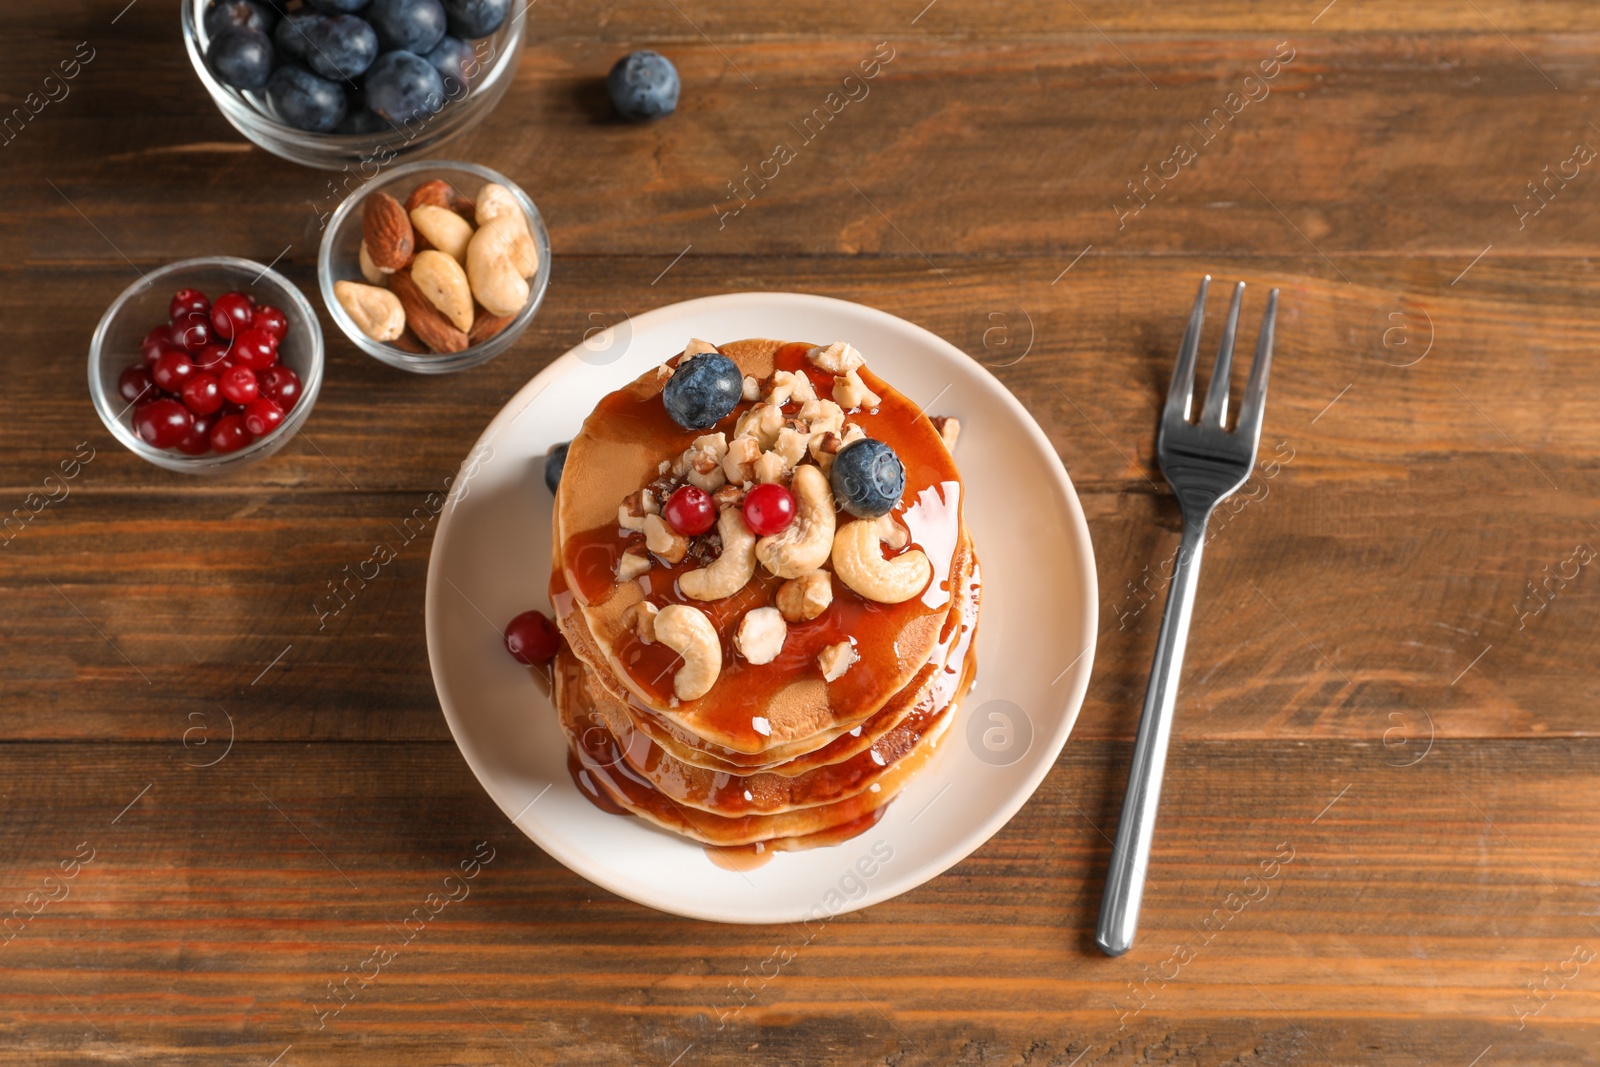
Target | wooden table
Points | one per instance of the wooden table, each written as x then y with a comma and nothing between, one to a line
1377,838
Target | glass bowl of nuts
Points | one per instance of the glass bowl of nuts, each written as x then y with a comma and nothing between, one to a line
206,365
435,267
358,90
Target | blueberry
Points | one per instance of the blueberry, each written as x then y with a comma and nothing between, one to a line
340,47
476,18
643,85
242,57
290,35
868,478
411,25
703,390
401,86
306,101
225,15
361,119
338,7
454,60
554,463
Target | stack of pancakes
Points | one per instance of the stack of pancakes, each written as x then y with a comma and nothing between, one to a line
775,755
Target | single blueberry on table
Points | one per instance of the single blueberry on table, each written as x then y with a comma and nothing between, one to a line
411,25
225,15
454,60
703,390
242,57
402,86
290,35
338,7
476,18
643,85
868,478
306,101
554,464
340,47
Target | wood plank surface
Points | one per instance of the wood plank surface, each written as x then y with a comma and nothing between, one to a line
1389,700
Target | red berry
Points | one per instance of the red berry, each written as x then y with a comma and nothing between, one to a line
192,332
185,301
239,385
272,320
690,510
210,358
768,509
254,348
157,341
197,442
229,434
262,416
231,313
135,383
280,385
163,422
201,393
531,638
172,370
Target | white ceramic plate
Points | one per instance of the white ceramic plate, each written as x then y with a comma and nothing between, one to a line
491,560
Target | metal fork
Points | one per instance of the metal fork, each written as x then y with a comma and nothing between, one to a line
1204,463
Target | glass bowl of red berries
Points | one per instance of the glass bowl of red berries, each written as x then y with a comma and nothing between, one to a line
206,365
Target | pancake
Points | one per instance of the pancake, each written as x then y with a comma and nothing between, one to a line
752,709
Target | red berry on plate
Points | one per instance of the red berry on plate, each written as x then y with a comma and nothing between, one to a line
281,385
262,416
690,511
768,509
532,638
201,393
172,370
210,358
162,423
229,435
238,385
231,313
187,301
272,320
197,442
254,348
157,341
135,383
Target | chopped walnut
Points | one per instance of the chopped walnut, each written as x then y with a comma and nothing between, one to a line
752,388
761,635
761,422
791,385
823,447
662,540
770,468
705,549
821,415
850,392
740,462
634,562
697,347
839,357
703,461
852,433
729,496
634,508
641,619
836,659
791,445
804,598
949,428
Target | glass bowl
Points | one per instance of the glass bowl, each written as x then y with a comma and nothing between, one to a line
339,260
144,304
367,153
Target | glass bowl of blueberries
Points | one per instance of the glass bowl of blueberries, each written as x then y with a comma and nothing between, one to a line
353,84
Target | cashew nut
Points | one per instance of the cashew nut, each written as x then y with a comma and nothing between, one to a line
377,312
370,270
444,283
495,202
836,659
803,545
729,572
444,229
761,635
641,619
663,540
689,633
859,562
492,268
804,598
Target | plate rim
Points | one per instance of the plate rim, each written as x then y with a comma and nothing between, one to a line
946,857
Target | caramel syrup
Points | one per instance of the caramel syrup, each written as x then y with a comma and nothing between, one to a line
930,509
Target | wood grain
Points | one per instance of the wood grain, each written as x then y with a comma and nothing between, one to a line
1390,686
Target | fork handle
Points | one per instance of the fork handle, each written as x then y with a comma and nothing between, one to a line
1119,908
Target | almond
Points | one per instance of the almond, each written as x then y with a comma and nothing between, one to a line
444,283
408,342
425,320
376,311
438,192
386,231
443,229
485,325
